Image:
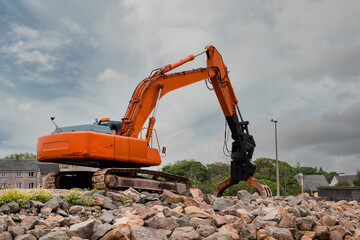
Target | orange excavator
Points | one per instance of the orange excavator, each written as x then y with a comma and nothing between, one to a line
118,149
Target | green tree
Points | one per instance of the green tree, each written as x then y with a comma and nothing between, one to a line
329,176
195,171
25,155
343,183
266,172
356,182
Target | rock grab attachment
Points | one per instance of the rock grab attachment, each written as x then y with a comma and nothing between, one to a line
264,190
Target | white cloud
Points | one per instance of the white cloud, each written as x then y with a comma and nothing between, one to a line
10,100
6,82
32,46
24,106
110,75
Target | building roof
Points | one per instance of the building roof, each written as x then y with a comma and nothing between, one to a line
46,168
348,178
313,181
13,165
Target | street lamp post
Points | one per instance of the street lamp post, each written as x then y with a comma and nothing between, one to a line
277,161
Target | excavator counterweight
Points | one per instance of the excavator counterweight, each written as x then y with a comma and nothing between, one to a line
119,151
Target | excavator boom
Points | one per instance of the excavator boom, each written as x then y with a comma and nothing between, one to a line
98,147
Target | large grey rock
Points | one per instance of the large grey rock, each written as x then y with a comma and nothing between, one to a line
38,233
83,230
209,198
13,207
205,230
249,232
3,225
146,233
16,231
37,204
108,204
131,194
101,230
107,217
5,209
53,203
245,196
29,222
269,214
305,224
294,202
222,203
58,235
183,221
5,236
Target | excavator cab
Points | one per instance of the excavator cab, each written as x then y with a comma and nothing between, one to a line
105,125
114,126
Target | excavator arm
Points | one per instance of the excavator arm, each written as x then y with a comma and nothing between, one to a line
153,88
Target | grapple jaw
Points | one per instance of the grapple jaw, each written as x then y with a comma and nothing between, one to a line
264,190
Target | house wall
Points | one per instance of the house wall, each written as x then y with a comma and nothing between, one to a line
11,180
334,181
340,193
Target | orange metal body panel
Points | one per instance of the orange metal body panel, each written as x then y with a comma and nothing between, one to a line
93,146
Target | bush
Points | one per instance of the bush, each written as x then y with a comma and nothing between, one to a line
343,183
19,196
74,197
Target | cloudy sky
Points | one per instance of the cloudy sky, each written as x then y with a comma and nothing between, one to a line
295,61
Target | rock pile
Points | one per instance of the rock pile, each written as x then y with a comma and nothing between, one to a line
140,216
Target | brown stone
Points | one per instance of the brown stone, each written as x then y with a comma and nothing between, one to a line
191,210
322,232
310,234
171,197
197,194
190,202
131,194
287,221
98,201
161,223
46,211
125,224
146,233
185,233
227,229
16,230
38,233
115,234
5,236
196,222
305,237
76,209
305,223
328,220
262,234
337,232
241,213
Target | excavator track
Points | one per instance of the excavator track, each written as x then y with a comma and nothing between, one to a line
123,178
264,189
111,179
